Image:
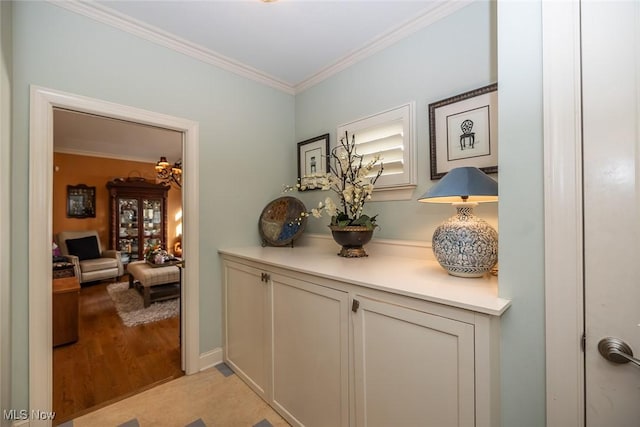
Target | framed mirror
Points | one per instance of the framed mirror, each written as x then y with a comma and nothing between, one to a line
81,201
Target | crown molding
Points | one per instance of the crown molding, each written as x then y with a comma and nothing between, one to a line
154,34
426,18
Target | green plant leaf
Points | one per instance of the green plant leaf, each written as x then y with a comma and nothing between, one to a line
342,217
344,223
363,220
366,221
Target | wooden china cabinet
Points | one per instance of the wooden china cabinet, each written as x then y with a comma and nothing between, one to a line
138,211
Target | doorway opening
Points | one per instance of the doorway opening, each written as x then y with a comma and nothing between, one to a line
43,102
116,345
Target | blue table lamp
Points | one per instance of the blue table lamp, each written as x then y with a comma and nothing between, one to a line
464,245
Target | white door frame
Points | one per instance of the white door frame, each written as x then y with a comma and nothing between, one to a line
5,211
40,229
564,292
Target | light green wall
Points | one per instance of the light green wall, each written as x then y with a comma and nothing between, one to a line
521,212
461,52
451,56
246,133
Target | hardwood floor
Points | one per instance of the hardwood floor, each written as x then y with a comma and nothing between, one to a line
111,361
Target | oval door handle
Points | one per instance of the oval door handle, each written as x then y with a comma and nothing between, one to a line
617,351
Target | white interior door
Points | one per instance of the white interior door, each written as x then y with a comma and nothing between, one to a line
611,110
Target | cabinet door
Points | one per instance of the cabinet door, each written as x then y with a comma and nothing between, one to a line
128,231
152,224
412,368
246,325
310,353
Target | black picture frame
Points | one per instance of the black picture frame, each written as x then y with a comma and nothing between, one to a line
81,201
463,131
313,160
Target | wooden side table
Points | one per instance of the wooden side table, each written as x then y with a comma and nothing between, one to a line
66,291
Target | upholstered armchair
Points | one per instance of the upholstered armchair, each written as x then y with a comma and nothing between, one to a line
90,261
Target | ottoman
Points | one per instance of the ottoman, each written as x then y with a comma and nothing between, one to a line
157,283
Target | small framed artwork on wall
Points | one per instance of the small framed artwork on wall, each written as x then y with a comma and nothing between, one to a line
313,161
81,201
463,131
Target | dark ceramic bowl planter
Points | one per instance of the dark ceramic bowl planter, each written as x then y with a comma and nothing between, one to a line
351,238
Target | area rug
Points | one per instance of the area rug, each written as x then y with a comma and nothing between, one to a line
130,306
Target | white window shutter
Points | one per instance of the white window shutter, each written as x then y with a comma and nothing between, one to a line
391,135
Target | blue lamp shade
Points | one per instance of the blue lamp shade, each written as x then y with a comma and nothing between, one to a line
464,245
467,184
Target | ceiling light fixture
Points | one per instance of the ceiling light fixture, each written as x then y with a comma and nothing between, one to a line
167,173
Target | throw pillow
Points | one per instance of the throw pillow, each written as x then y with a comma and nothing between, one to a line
84,247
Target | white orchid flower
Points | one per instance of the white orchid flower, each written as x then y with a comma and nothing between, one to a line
330,207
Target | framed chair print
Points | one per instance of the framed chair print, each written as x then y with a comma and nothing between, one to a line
313,161
463,131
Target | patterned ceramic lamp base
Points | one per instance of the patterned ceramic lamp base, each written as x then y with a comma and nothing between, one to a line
465,245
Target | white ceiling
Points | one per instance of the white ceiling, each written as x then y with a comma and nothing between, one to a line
89,135
290,44
289,40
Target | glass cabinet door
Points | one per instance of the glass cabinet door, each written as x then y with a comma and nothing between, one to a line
152,219
128,241
138,217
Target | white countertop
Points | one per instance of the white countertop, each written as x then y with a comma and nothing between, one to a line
419,278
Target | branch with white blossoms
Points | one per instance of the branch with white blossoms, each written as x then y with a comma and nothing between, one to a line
351,179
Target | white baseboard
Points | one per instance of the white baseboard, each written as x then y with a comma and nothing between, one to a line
210,358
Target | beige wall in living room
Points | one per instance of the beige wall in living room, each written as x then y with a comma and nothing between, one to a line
73,169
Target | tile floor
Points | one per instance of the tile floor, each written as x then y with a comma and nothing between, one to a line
215,397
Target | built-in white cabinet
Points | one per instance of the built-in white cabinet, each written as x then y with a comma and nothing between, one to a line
288,340
247,326
411,368
310,350
326,349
